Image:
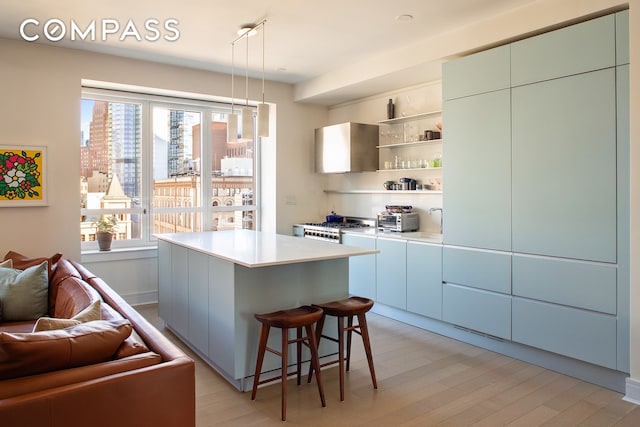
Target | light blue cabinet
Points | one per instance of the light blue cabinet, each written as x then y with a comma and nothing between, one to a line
482,269
476,309
486,71
581,334
564,167
622,37
180,289
424,279
164,281
477,179
579,48
624,209
587,285
198,280
391,272
362,269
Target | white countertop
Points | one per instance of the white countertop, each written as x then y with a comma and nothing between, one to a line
257,249
418,236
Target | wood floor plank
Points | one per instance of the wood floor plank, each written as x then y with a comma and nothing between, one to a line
424,379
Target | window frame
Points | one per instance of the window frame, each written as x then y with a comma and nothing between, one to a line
207,108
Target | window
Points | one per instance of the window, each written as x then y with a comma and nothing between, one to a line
162,165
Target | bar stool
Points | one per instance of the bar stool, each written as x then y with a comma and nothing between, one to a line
304,316
349,307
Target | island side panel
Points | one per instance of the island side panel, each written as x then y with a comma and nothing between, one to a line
222,315
266,289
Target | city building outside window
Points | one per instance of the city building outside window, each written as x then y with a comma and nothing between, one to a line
162,165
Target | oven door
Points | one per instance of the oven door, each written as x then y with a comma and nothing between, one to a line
388,222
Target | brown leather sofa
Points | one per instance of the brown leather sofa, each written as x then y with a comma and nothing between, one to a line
148,381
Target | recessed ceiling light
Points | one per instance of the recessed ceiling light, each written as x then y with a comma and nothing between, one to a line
405,17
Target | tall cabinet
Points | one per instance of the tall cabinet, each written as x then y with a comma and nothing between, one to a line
538,179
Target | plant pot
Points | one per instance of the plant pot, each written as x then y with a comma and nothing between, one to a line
104,240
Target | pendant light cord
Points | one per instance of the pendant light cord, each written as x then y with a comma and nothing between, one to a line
232,74
263,37
246,88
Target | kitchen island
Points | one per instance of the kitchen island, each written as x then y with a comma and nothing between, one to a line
212,283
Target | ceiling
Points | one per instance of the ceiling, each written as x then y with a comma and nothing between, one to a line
304,39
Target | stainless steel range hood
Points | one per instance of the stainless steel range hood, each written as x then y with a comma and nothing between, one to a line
346,147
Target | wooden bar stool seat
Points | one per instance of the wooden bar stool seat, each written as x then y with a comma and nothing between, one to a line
349,307
298,318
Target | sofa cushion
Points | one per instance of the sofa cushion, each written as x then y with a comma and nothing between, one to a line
38,352
22,262
49,380
64,270
91,313
134,344
24,293
73,296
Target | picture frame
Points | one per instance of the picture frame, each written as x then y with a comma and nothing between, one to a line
23,175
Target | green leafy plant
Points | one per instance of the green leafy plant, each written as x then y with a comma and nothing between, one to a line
106,224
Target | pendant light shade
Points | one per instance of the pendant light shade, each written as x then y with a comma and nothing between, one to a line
263,120
247,123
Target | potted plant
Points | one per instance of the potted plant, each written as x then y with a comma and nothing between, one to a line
105,229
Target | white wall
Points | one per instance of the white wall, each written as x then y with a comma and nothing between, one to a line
40,105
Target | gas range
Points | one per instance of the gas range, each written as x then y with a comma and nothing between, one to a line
332,231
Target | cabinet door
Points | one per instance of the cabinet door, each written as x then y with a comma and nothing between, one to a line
391,268
198,301
165,297
581,334
478,73
482,311
180,290
424,279
579,48
362,269
480,269
622,37
477,177
564,167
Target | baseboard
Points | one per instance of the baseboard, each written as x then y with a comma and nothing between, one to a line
140,298
632,391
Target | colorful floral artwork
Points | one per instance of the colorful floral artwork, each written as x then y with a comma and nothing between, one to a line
22,177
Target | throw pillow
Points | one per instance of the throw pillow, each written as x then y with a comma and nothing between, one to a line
24,294
85,344
7,264
22,262
91,313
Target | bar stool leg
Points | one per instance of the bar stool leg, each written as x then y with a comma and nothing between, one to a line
262,346
315,361
362,320
341,353
349,331
298,352
318,336
285,345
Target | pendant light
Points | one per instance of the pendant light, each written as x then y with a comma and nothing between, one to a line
232,119
263,109
247,113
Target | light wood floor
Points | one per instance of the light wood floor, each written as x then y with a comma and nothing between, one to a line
424,379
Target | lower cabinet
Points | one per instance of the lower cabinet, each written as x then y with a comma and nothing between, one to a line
424,279
477,309
581,334
391,272
362,269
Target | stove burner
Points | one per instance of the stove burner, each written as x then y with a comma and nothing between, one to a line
329,231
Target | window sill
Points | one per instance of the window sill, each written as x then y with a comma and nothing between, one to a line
119,254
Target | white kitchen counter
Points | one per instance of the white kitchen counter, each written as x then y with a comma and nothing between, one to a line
418,236
257,249
212,283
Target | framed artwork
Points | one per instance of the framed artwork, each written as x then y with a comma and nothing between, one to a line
23,176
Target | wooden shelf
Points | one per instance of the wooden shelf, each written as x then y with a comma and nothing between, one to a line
404,144
426,192
404,119
408,169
